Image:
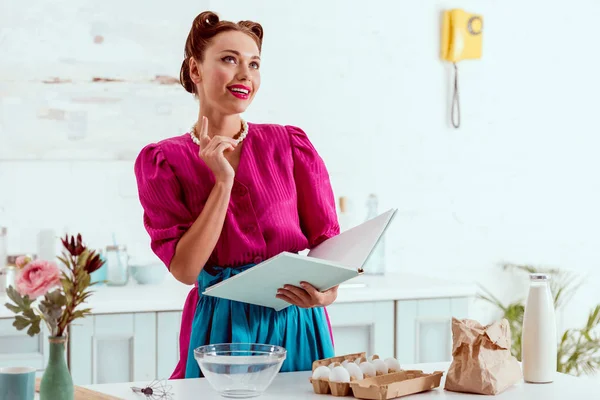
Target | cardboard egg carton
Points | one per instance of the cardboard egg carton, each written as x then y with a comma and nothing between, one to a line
383,386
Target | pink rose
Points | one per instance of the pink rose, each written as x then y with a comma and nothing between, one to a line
37,278
22,261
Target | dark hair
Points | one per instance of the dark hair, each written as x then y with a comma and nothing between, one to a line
205,26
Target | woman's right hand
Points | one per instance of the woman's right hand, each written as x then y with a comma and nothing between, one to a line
212,152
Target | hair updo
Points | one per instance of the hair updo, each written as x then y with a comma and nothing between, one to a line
205,26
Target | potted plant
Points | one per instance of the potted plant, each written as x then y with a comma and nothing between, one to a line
45,292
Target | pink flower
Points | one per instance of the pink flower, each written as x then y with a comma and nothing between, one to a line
37,278
22,261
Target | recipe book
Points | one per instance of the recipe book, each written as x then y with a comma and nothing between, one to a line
332,262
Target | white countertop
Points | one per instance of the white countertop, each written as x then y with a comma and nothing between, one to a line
170,295
295,385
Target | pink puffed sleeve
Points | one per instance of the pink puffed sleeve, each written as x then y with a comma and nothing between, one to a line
166,217
316,202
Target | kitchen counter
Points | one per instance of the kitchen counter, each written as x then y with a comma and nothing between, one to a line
170,295
295,385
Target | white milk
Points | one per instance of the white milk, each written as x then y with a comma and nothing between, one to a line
539,340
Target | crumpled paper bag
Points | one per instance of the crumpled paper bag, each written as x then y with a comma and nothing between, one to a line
481,358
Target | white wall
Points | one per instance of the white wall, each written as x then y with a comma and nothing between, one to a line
517,182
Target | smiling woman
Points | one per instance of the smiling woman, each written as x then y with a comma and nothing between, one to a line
229,194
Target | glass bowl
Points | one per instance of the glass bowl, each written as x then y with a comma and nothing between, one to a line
240,370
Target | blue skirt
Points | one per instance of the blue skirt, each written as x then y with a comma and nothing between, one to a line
303,332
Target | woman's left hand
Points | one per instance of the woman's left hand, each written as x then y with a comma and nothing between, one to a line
307,296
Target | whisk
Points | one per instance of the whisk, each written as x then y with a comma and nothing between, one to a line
156,390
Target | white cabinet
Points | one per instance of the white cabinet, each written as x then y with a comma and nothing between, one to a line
18,349
367,326
144,346
114,348
167,343
424,328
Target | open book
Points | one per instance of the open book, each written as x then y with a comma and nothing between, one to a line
332,262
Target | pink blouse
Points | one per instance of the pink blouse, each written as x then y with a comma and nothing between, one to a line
281,199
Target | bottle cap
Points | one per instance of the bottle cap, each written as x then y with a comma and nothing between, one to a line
539,277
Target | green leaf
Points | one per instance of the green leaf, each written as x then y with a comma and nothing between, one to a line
69,297
565,336
66,279
20,322
81,313
29,314
34,329
64,261
27,301
13,308
56,297
87,294
82,260
15,297
593,318
86,280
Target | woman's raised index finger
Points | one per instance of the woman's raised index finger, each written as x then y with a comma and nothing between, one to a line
204,130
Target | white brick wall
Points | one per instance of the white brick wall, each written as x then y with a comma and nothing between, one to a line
518,182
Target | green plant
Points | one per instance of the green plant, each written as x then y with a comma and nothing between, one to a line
578,349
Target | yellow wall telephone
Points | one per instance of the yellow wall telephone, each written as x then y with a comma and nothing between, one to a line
461,35
461,40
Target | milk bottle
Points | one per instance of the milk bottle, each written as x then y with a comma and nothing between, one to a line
539,340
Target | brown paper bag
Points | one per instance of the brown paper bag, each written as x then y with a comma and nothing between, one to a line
481,358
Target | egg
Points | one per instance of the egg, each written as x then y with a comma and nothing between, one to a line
360,360
373,357
321,372
345,363
380,366
367,368
392,364
339,374
354,371
333,365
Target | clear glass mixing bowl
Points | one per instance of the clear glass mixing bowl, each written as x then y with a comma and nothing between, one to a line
240,370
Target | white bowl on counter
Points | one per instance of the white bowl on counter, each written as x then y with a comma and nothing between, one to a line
148,274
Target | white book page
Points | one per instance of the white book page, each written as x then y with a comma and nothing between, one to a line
353,247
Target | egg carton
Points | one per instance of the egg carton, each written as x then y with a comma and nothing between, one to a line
382,386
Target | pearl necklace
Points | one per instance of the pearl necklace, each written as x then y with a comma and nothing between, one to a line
242,135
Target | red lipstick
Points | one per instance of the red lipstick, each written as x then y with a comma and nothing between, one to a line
240,91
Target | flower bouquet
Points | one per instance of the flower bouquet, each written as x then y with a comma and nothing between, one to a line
45,292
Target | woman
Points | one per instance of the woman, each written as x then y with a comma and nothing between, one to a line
230,194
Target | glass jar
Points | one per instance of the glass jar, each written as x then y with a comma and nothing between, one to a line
117,263
8,273
8,276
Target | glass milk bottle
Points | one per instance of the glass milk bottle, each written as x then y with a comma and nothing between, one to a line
539,341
